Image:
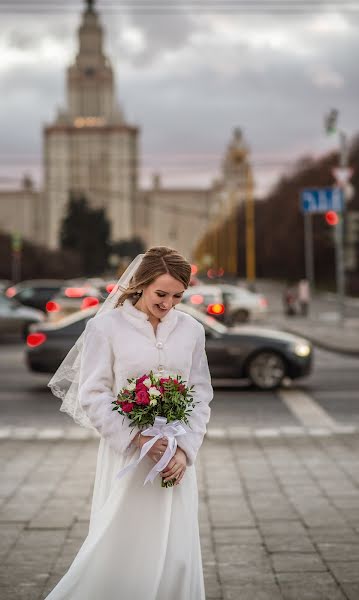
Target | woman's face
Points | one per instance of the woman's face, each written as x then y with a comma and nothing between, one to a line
161,295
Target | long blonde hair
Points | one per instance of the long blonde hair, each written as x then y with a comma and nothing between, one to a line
157,261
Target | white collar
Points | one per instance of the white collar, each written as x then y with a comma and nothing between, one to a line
140,319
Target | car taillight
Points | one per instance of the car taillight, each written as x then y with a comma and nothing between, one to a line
76,292
52,306
215,309
10,292
35,339
197,299
109,287
263,302
88,302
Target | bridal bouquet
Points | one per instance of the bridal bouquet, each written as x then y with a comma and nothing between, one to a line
160,404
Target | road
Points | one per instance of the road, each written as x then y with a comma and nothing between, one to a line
329,396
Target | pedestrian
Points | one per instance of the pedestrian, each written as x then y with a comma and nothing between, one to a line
304,296
289,300
143,541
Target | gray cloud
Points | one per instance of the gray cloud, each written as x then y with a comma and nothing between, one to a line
187,114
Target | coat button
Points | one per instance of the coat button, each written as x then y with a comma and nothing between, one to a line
159,345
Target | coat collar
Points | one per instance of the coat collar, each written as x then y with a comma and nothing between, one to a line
141,320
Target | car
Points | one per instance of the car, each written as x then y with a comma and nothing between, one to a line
264,357
4,284
230,304
72,298
35,293
15,318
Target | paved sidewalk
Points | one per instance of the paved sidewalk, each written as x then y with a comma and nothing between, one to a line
325,334
279,516
321,326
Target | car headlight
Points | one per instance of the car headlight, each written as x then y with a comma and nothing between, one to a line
302,349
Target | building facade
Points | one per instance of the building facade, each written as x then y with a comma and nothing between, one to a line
22,211
90,149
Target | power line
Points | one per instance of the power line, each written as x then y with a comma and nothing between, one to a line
231,6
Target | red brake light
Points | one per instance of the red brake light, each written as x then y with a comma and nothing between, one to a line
35,339
74,292
197,299
88,302
215,309
10,292
109,287
194,269
52,306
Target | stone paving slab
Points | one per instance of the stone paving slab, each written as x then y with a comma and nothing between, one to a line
279,517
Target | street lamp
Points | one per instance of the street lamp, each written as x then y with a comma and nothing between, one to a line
331,122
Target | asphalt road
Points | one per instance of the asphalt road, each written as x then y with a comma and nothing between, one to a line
329,396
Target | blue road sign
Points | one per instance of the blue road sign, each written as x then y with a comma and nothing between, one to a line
320,200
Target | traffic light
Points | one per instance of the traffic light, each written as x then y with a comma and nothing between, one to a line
331,218
330,121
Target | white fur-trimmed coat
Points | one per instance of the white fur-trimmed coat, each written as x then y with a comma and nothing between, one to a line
122,344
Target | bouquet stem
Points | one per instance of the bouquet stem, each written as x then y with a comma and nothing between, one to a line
167,484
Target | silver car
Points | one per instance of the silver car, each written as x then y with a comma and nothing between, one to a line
15,319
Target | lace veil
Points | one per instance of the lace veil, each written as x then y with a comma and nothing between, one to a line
65,382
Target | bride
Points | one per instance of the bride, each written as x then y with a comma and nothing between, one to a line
143,541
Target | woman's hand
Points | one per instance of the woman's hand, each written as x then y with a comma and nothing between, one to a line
157,450
176,468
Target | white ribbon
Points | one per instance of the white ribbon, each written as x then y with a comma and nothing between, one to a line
160,429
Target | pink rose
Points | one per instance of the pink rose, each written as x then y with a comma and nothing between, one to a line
142,397
127,406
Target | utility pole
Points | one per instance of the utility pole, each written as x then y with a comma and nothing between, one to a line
250,228
16,250
331,127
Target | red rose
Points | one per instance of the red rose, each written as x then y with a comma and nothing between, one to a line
141,379
142,397
127,406
141,388
181,387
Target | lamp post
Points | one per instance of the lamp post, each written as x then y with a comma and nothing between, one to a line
331,120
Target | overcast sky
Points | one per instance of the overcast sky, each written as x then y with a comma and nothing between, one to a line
187,74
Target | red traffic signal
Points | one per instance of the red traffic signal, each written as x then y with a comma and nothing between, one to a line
331,218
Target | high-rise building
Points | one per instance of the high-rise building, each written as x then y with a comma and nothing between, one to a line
90,150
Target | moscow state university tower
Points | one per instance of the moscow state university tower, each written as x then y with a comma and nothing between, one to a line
89,149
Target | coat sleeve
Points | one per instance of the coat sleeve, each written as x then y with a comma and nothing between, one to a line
200,378
96,390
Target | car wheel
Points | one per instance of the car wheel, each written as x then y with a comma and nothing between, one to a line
241,316
266,370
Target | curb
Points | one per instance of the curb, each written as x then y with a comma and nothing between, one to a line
324,345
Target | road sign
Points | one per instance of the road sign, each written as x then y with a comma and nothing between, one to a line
320,200
342,175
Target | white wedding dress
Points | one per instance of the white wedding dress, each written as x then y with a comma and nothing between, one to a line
143,541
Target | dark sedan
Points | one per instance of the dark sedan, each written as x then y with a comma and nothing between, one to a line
262,356
35,293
